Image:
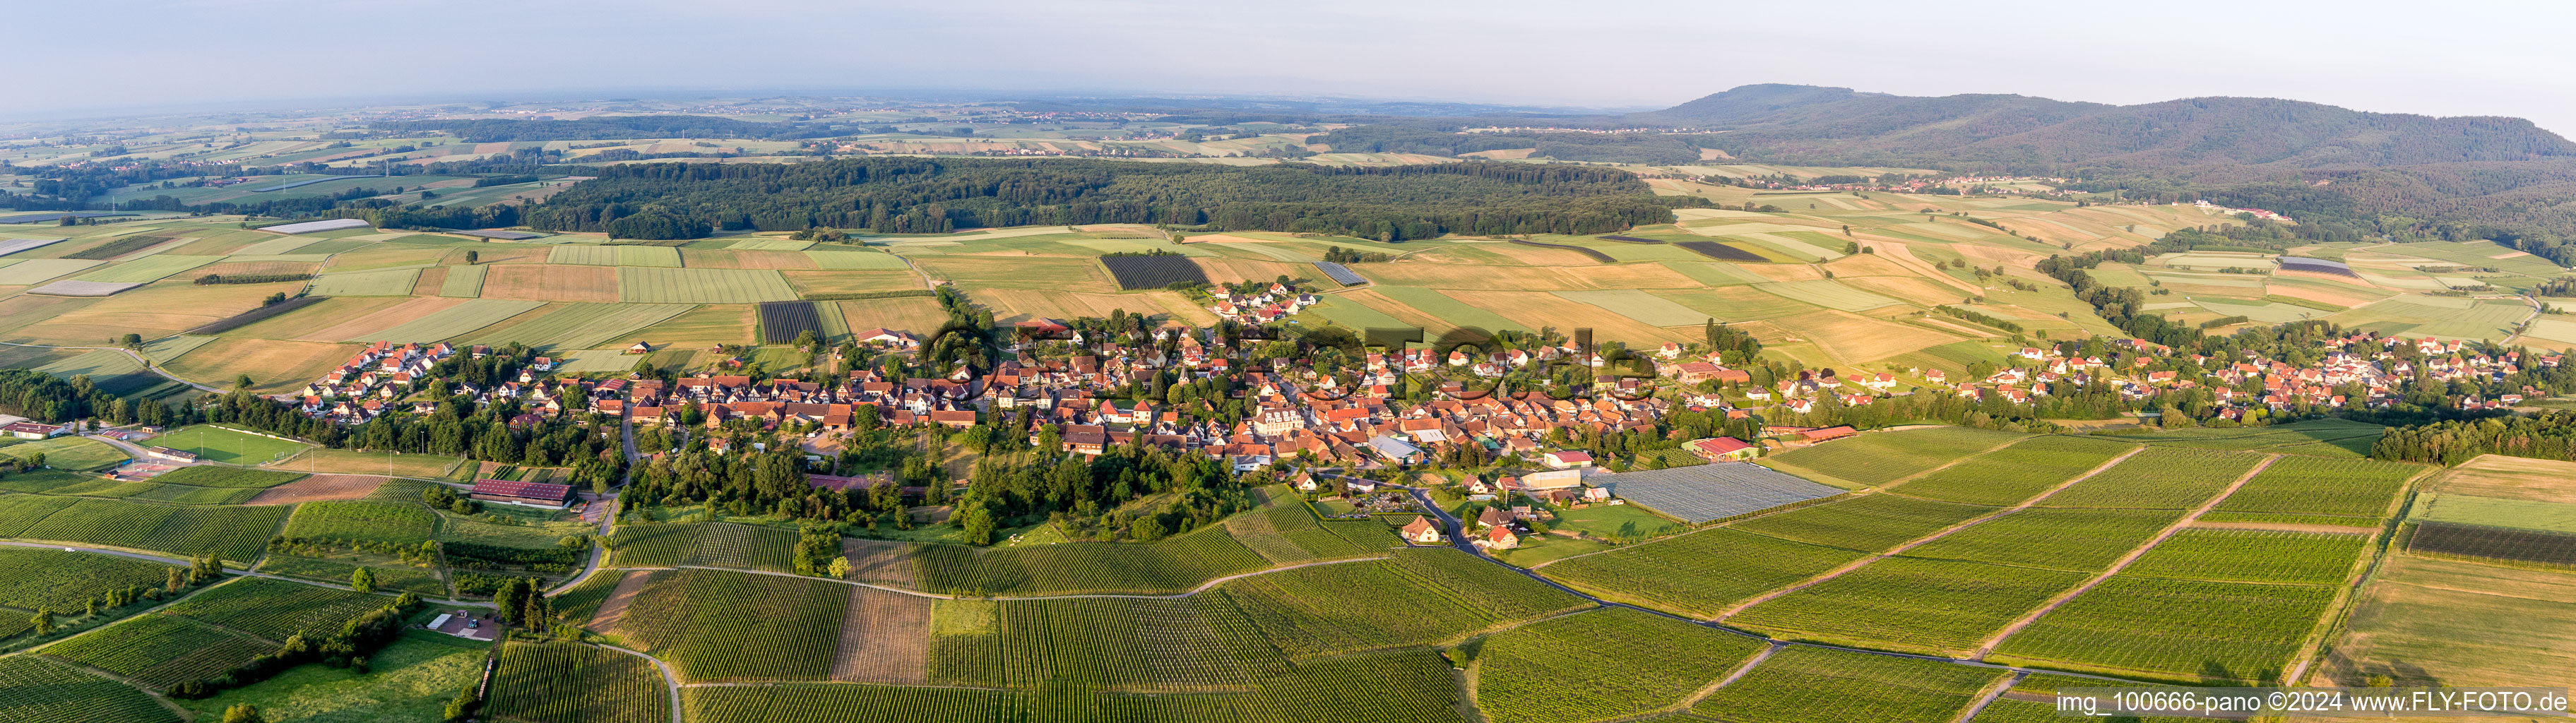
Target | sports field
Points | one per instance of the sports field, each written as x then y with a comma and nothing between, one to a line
229,446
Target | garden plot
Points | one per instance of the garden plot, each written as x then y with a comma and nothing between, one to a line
1713,491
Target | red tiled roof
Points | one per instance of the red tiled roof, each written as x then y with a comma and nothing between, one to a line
529,490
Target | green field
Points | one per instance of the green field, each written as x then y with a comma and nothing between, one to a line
1867,523
1423,596
2012,474
399,523
411,679
1600,665
1820,685
2225,555
707,544
78,454
1828,293
2171,478
576,683
2319,486
463,281
214,476
718,625
2056,539
160,650
19,272
657,285
1431,301
579,326
615,255
35,690
233,533
452,321
1909,604
1716,273
854,260
1697,574
226,445
1878,458
2184,630
147,269
388,282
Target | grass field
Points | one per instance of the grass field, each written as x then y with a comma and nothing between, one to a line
341,461
1644,307
2512,478
853,259
578,326
411,679
653,285
463,281
226,445
389,282
71,453
449,322
396,523
2428,622
615,255
551,282
1878,458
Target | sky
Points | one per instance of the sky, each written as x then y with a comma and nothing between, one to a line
2464,57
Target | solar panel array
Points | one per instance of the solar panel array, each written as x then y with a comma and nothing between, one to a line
1712,491
1340,274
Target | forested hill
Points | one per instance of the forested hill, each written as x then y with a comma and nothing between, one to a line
931,195
2219,139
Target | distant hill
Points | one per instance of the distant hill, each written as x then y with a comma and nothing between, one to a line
2215,139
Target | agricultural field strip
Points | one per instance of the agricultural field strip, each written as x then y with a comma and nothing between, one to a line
1916,542
1784,508
1203,587
1988,645
670,681
181,562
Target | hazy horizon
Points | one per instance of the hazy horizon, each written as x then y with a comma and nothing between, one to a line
179,54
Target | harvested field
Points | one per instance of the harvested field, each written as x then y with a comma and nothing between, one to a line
579,326
147,269
844,282
254,316
1853,337
431,280
273,365
389,282
646,284
1227,270
319,488
154,311
2513,478
740,257
917,315
1019,304
1641,306
1527,278
702,327
1020,272
615,255
2428,622
855,260
885,638
35,271
551,282
1536,311
72,287
1829,293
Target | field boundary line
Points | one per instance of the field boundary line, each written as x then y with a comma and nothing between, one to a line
1987,646
1690,701
1202,587
1900,549
670,681
2381,546
1795,506
1987,697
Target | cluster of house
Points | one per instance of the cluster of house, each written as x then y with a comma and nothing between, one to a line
381,375
1271,304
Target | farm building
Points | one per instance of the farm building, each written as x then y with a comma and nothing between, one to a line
532,494
894,339
31,430
1816,436
1720,449
1567,460
1696,372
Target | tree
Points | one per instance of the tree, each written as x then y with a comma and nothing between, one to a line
473,256
976,521
243,713
243,382
364,580
43,621
131,341
841,568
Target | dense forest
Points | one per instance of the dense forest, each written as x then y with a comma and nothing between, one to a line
923,195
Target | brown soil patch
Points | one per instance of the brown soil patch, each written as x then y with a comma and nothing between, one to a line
878,562
382,320
614,608
1852,337
885,638
157,310
318,488
551,282
913,314
429,281
1230,271
273,365
2347,300
2513,478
